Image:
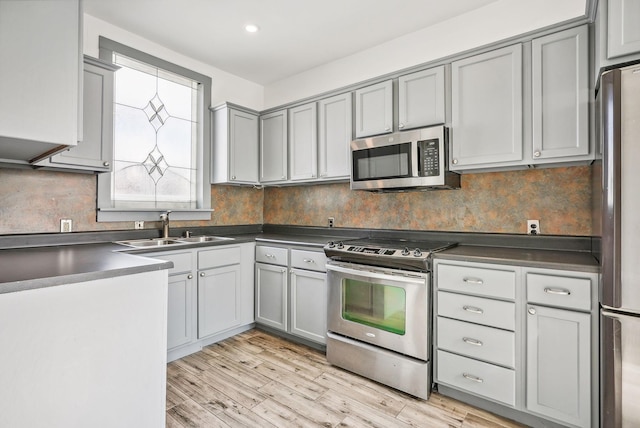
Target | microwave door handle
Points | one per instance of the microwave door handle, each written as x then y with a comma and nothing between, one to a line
417,156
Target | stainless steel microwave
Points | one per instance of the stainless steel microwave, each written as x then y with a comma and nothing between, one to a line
416,159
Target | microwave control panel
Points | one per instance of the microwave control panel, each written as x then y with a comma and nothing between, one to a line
429,154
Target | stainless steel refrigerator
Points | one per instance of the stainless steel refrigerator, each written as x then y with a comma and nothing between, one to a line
617,215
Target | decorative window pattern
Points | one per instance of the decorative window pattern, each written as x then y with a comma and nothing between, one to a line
155,137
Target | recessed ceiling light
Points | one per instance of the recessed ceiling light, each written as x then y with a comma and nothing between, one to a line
251,28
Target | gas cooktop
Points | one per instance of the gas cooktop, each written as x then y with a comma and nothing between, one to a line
407,254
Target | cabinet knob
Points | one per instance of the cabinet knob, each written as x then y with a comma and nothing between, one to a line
106,163
536,154
532,311
189,276
233,177
283,177
455,161
401,125
202,274
387,128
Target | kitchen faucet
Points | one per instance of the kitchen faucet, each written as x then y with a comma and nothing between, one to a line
165,224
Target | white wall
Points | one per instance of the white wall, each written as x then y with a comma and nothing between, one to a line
225,86
497,21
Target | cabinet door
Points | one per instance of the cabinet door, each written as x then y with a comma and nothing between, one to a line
374,109
271,296
243,147
273,146
303,142
95,151
335,135
486,122
623,30
40,73
559,364
180,310
218,300
309,305
421,99
561,95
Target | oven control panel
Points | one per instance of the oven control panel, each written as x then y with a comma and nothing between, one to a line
378,251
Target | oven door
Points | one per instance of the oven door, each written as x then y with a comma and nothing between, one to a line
384,307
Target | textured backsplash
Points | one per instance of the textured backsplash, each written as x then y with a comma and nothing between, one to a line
488,202
35,201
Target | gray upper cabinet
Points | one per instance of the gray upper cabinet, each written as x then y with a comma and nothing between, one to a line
623,30
303,142
235,145
421,100
486,125
95,151
335,132
273,147
40,77
560,86
374,109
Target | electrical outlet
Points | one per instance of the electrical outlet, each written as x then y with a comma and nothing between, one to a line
533,227
66,225
331,221
138,224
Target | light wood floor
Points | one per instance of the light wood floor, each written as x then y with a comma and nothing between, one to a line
259,380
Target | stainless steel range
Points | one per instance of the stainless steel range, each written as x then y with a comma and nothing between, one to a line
379,310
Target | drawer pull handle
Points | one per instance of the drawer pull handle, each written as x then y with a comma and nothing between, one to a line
308,260
473,309
471,341
558,291
271,256
474,281
472,377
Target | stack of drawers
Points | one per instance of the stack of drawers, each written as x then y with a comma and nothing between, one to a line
475,329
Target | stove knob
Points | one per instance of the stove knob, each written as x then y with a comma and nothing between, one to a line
417,252
331,244
340,245
406,251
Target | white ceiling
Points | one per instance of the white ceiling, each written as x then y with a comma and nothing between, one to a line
294,36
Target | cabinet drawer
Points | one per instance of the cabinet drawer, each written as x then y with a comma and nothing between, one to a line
181,261
477,341
561,291
487,380
477,280
311,260
222,256
272,255
478,310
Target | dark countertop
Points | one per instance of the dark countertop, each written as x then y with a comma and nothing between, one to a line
31,268
550,259
305,240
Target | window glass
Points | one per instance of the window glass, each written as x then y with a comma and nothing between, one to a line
155,137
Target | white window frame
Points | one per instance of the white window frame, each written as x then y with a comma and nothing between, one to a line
106,210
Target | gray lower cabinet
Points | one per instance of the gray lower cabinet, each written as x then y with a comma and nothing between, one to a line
374,109
486,121
523,339
273,147
272,296
235,145
95,152
559,364
211,295
291,291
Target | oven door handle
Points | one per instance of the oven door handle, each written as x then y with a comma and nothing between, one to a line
372,273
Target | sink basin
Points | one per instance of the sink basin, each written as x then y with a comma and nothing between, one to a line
205,239
140,243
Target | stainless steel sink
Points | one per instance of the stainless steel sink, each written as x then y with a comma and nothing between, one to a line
161,242
205,238
157,242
